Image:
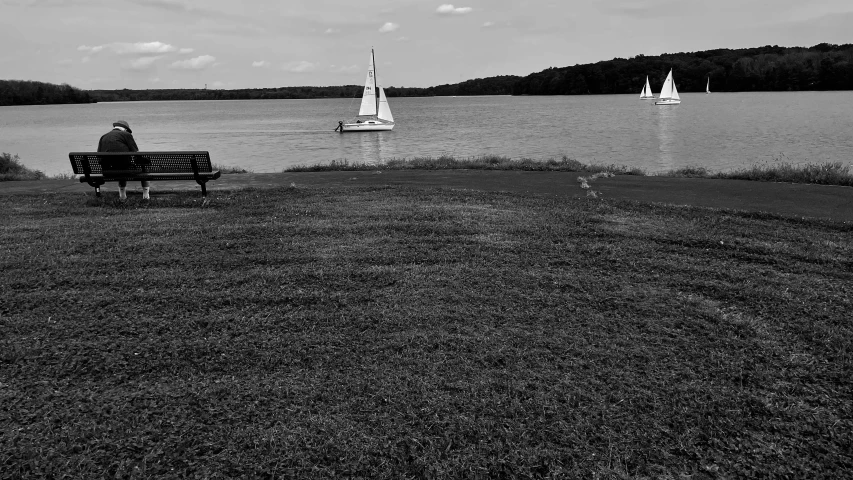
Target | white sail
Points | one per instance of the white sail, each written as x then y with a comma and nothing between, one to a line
708,86
666,89
384,109
368,99
647,90
674,95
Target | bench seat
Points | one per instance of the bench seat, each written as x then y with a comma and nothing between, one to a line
143,166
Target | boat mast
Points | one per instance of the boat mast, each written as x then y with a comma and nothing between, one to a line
375,90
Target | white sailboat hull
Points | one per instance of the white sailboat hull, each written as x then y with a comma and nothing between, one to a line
647,98
368,126
668,102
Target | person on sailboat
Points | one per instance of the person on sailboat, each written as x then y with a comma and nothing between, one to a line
340,126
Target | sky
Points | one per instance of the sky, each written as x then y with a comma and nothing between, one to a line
228,44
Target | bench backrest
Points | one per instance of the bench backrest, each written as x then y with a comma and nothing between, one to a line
85,163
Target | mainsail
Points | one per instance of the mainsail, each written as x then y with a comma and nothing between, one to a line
368,99
668,87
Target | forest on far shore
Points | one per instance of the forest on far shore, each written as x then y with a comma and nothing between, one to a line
28,92
769,68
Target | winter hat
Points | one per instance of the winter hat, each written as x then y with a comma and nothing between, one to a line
122,123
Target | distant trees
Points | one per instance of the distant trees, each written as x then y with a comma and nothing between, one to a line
26,92
125,95
500,85
770,68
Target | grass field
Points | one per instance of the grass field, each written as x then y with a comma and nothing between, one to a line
420,333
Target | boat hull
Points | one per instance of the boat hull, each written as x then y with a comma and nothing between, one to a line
367,127
668,102
647,98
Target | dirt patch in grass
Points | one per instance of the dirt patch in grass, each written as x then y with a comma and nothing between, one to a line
395,332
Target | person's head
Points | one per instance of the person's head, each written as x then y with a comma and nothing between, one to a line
123,124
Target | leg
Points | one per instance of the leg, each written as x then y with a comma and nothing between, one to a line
145,189
122,189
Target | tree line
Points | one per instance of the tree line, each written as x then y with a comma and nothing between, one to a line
770,68
501,85
27,92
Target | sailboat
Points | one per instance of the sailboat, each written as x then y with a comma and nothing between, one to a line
668,93
375,114
647,94
708,86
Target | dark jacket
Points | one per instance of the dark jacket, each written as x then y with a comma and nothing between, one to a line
118,141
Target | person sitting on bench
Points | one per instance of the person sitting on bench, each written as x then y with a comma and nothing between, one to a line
120,139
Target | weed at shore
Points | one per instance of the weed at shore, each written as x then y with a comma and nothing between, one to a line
780,170
230,169
486,162
11,168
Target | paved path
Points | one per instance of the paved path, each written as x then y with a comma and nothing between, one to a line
830,202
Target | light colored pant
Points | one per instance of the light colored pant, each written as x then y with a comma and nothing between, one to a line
123,183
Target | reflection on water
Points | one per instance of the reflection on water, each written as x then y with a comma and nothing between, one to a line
371,144
666,117
719,131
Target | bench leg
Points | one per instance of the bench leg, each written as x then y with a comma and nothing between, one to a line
97,186
203,188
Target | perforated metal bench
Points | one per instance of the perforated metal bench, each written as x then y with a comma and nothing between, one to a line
150,166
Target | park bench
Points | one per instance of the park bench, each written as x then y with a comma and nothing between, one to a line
97,168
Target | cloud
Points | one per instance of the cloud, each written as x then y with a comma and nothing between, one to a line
345,69
261,63
488,24
331,30
448,9
85,48
388,27
197,63
142,63
141,47
186,50
122,48
402,39
301,66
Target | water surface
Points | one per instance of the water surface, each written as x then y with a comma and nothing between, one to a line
719,131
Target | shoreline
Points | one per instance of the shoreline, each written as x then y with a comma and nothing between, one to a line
828,202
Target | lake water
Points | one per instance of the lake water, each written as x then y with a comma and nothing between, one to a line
719,131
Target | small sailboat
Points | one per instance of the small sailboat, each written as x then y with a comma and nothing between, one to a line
668,93
374,114
647,94
708,86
